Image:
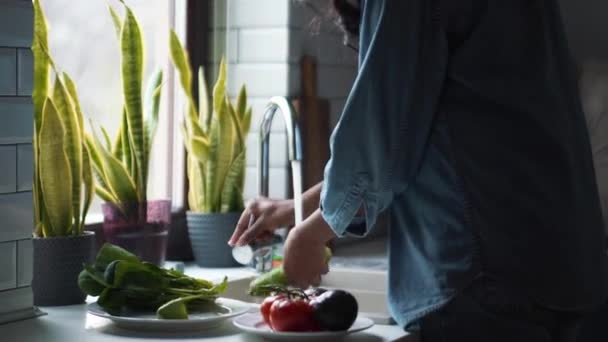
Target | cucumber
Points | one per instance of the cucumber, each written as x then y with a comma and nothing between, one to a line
260,286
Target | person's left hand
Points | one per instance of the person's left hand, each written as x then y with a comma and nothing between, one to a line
304,258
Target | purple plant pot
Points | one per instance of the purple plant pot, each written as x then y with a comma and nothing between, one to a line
144,235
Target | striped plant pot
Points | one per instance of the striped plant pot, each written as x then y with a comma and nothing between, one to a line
209,234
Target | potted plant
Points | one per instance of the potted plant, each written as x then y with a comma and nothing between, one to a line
121,166
214,140
63,180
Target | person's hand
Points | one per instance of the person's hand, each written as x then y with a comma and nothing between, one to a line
260,219
304,258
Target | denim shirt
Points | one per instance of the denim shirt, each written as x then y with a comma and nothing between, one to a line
406,143
383,155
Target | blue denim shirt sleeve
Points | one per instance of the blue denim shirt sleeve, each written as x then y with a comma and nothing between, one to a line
372,158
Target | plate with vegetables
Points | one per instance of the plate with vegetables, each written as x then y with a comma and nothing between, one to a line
140,295
293,314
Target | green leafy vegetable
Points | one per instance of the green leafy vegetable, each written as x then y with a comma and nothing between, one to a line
264,285
122,281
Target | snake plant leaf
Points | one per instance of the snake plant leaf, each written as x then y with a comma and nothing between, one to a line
204,115
231,185
227,145
153,97
132,75
117,178
89,185
200,149
246,122
106,138
71,87
95,157
196,190
55,171
105,194
128,157
41,64
180,59
117,145
116,20
220,156
72,140
241,102
237,127
101,188
211,165
219,90
39,95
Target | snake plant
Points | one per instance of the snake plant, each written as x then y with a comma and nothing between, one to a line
121,166
214,139
63,180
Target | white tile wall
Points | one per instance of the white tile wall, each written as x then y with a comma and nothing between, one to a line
25,263
8,168
8,265
265,45
262,79
266,41
258,13
8,70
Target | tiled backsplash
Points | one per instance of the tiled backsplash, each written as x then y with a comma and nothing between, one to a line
16,164
266,40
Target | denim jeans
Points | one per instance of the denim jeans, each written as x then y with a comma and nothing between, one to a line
488,312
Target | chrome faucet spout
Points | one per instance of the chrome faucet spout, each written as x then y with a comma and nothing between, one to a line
294,139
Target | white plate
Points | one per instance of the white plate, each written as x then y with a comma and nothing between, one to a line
253,323
226,308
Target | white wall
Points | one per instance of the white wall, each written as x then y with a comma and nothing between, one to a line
265,41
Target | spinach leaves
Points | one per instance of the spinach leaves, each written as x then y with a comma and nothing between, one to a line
122,282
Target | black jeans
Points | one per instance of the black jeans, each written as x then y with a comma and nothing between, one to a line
489,312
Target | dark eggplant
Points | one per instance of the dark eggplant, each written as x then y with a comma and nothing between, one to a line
335,310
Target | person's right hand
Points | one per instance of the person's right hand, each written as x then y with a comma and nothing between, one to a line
261,217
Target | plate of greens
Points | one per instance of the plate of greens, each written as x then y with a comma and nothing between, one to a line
140,295
222,310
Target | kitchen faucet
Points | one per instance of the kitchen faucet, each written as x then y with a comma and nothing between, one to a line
294,139
259,255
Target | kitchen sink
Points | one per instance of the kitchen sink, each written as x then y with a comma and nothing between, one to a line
368,287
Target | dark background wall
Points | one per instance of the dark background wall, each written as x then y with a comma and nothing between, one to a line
587,27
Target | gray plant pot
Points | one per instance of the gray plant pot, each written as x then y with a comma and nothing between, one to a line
57,263
209,234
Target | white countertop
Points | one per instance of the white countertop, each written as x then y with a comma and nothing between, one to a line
72,323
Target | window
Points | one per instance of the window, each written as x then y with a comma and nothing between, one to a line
83,42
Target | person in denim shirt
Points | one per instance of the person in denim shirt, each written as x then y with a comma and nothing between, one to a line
465,123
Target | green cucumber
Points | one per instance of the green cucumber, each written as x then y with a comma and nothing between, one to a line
262,285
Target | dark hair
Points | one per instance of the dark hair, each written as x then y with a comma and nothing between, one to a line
348,16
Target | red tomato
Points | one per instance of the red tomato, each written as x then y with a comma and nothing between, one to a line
265,307
292,315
